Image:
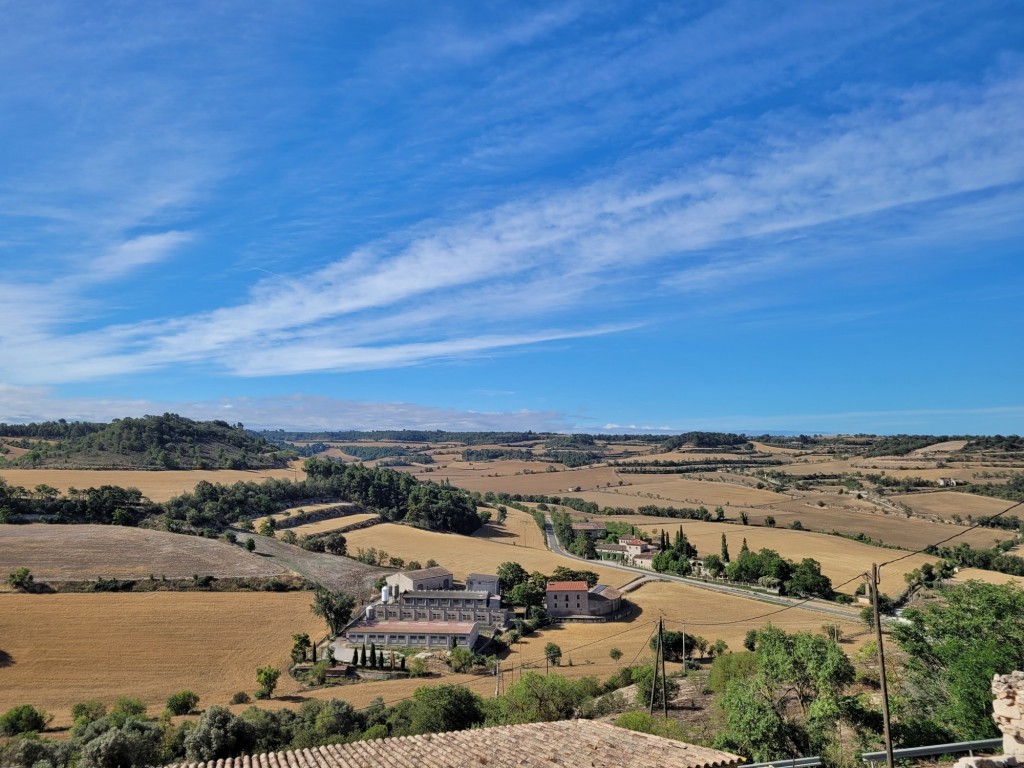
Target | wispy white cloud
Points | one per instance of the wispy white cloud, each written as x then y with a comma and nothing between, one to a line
410,298
128,256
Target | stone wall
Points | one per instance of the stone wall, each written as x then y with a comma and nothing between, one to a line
1008,711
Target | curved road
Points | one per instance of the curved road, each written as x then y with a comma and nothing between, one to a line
821,606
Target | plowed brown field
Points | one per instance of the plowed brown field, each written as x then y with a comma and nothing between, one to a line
86,552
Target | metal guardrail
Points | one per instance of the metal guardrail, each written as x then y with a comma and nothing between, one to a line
788,762
955,748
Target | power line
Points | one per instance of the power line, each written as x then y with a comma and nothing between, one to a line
950,538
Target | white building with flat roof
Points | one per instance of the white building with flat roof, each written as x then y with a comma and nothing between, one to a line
414,634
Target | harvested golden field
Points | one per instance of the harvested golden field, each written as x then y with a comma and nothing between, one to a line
500,476
331,525
467,554
86,552
13,451
841,559
949,446
679,492
68,648
810,465
257,522
889,528
945,504
156,486
765,448
519,530
680,456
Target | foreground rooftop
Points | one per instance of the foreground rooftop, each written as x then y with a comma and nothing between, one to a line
577,743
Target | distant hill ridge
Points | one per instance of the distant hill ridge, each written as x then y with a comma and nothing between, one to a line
169,441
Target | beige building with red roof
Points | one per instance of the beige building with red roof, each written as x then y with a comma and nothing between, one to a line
534,745
574,600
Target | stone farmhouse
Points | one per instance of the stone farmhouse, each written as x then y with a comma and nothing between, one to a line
575,601
533,745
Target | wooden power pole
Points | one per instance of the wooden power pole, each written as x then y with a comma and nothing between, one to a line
875,580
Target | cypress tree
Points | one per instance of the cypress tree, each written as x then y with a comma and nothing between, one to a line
725,549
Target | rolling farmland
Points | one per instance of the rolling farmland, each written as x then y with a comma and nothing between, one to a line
841,559
85,552
156,486
67,648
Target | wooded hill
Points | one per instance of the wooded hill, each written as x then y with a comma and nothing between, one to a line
151,442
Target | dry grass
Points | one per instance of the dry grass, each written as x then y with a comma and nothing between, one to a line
680,456
890,528
85,552
466,554
680,492
13,451
518,530
68,648
500,476
945,504
333,524
949,446
292,511
841,559
157,486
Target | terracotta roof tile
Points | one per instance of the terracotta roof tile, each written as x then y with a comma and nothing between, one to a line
567,586
574,743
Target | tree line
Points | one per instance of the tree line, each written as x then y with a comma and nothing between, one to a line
212,507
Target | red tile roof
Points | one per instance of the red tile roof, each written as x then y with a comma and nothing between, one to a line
567,586
534,745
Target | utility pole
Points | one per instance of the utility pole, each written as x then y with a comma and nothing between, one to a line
497,678
664,679
875,580
654,669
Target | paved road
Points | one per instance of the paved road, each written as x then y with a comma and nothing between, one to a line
821,606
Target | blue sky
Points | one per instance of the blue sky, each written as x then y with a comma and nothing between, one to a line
559,215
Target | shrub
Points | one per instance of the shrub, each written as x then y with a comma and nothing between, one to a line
23,719
241,697
417,667
378,731
317,674
267,679
182,702
88,711
20,579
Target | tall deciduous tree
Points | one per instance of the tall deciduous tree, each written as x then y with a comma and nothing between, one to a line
333,607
